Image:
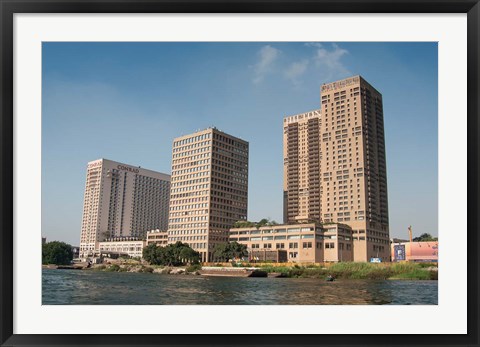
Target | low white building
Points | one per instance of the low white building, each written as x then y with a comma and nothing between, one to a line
129,245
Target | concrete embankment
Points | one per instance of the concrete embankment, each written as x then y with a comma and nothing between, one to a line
65,267
232,272
142,268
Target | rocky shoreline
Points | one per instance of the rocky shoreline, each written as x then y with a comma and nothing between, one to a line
407,271
167,270
170,270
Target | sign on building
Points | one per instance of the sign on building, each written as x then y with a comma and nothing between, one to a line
399,252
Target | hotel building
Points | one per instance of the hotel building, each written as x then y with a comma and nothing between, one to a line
303,242
121,201
209,188
335,167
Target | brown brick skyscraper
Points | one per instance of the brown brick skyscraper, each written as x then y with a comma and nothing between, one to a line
209,188
351,170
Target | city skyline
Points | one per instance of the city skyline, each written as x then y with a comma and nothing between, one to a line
136,128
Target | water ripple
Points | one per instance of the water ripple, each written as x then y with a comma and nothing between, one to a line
74,287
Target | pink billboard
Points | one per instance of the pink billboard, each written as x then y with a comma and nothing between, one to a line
427,251
416,251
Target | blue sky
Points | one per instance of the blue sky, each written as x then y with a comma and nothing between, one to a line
127,101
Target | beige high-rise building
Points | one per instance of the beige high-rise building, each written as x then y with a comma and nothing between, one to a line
209,188
121,201
301,158
335,167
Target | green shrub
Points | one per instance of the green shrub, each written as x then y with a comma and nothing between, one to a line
193,268
351,270
427,265
417,274
113,268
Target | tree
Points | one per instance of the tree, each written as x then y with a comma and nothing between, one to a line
266,222
227,251
425,237
221,252
172,255
189,255
238,250
56,252
243,224
263,222
149,253
247,224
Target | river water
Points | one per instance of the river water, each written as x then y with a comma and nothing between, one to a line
76,287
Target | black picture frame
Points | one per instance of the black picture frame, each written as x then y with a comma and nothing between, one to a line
10,7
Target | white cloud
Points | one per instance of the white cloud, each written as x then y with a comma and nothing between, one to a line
314,44
325,60
295,70
330,60
268,55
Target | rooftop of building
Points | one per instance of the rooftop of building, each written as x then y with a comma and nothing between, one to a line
356,79
291,225
122,239
163,175
352,80
300,116
209,130
156,231
414,242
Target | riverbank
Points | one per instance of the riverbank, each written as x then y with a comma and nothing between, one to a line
344,270
350,270
141,268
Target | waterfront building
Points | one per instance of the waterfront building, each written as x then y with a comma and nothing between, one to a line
337,243
209,189
121,200
268,255
129,246
158,237
424,251
335,166
303,242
